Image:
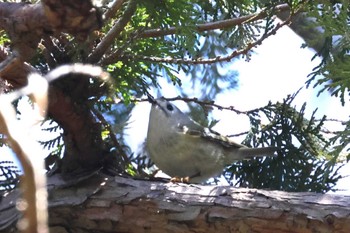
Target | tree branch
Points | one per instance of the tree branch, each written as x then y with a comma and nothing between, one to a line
113,33
201,60
222,24
116,204
12,70
112,136
201,27
117,4
206,104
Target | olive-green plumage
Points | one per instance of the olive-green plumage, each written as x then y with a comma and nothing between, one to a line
180,147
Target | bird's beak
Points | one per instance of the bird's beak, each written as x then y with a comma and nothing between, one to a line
156,103
151,99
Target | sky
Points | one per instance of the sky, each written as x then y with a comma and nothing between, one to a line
277,68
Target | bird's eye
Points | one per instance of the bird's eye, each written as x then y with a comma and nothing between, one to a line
170,107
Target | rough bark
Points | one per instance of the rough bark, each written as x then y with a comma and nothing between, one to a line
26,23
116,204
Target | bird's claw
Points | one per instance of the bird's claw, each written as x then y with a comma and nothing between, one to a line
177,179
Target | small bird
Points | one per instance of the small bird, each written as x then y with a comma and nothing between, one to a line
187,151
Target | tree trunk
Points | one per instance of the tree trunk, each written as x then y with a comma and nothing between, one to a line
116,204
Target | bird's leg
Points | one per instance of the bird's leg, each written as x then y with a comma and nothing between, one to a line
177,179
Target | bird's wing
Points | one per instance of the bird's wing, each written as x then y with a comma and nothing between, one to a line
196,130
192,129
218,138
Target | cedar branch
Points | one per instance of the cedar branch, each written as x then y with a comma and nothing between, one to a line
209,26
201,60
222,24
113,33
200,27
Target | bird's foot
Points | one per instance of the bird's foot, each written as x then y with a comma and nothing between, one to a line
178,179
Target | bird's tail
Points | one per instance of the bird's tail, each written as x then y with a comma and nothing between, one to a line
248,153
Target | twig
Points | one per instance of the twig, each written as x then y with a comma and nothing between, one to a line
105,60
111,134
327,131
197,61
202,27
206,104
197,101
237,134
227,58
222,24
332,120
113,33
117,4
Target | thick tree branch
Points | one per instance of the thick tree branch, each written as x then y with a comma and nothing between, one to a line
26,24
77,17
16,73
116,204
